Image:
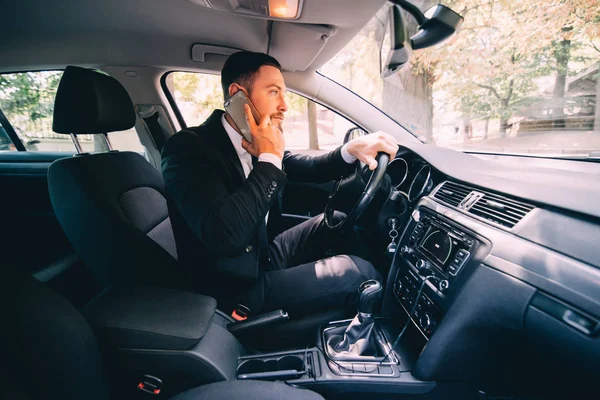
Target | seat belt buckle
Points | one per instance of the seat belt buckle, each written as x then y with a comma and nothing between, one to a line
240,313
150,384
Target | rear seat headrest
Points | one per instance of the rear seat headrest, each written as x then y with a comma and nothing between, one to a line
91,102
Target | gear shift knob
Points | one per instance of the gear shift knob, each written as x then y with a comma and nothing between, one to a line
370,293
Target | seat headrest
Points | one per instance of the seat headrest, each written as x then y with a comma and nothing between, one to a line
91,102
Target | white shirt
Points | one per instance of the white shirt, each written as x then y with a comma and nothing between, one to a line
246,158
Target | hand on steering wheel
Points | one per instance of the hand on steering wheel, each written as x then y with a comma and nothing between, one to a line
365,198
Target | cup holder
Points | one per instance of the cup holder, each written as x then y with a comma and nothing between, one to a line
251,366
290,362
275,367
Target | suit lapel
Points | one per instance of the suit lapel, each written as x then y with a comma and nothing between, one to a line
223,143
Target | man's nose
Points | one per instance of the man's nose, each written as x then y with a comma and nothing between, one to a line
282,104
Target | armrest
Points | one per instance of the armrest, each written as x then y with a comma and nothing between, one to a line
150,317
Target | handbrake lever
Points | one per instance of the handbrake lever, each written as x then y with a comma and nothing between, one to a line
255,322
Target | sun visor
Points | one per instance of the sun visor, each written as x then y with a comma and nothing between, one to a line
296,46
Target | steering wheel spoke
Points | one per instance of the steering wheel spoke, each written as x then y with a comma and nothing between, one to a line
370,189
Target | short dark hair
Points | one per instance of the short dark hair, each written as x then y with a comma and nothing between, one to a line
241,68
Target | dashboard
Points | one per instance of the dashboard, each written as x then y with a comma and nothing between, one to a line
411,176
493,284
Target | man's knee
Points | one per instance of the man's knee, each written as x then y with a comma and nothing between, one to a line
338,216
364,269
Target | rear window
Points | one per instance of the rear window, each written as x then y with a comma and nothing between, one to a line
27,100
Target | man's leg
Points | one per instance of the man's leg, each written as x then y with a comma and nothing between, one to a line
330,283
310,241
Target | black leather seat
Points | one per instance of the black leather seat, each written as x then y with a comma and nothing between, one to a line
50,352
111,205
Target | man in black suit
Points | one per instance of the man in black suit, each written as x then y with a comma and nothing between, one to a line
222,189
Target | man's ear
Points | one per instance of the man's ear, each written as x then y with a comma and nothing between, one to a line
233,89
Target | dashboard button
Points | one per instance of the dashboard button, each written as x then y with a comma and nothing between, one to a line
443,285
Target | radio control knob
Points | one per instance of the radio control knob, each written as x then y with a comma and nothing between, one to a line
427,322
423,265
443,285
405,249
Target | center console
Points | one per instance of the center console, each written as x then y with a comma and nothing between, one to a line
433,249
182,340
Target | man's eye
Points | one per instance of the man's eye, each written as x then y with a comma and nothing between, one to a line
274,92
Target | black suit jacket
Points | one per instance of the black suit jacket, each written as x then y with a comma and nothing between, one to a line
217,214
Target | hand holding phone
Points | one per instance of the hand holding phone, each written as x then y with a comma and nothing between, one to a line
266,137
235,108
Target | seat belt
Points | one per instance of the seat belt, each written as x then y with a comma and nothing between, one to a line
156,131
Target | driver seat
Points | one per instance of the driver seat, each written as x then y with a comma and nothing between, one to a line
112,205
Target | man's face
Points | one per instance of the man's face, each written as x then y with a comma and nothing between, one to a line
267,94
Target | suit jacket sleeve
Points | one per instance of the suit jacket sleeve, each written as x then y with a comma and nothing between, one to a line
196,180
316,169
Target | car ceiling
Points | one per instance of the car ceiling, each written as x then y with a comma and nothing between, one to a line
46,35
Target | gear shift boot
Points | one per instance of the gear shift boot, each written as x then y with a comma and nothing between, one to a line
360,340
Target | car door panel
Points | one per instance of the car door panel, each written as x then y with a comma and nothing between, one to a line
33,236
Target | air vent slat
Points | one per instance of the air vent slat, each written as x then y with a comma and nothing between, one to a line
492,207
457,188
451,194
508,202
476,209
456,192
501,207
455,201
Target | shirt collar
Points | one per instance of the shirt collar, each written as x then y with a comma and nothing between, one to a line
234,136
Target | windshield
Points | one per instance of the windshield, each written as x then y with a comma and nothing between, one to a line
519,77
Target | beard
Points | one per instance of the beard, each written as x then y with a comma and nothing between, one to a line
277,122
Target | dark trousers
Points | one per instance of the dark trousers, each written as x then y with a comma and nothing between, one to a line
302,280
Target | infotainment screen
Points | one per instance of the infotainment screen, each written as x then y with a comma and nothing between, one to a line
439,246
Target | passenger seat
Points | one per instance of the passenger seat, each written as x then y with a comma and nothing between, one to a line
50,352
111,205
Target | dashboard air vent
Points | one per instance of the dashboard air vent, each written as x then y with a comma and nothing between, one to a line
452,193
492,207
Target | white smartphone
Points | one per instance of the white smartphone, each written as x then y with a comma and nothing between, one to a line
235,108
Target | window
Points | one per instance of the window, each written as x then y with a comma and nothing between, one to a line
517,78
27,100
197,95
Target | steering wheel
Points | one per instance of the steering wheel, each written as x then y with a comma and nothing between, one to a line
367,196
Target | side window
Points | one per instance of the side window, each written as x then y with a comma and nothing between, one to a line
196,95
311,128
27,100
308,127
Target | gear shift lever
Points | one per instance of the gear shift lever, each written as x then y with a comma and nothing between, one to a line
370,294
358,339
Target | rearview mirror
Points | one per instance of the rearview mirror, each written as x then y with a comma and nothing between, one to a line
436,25
441,23
395,49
